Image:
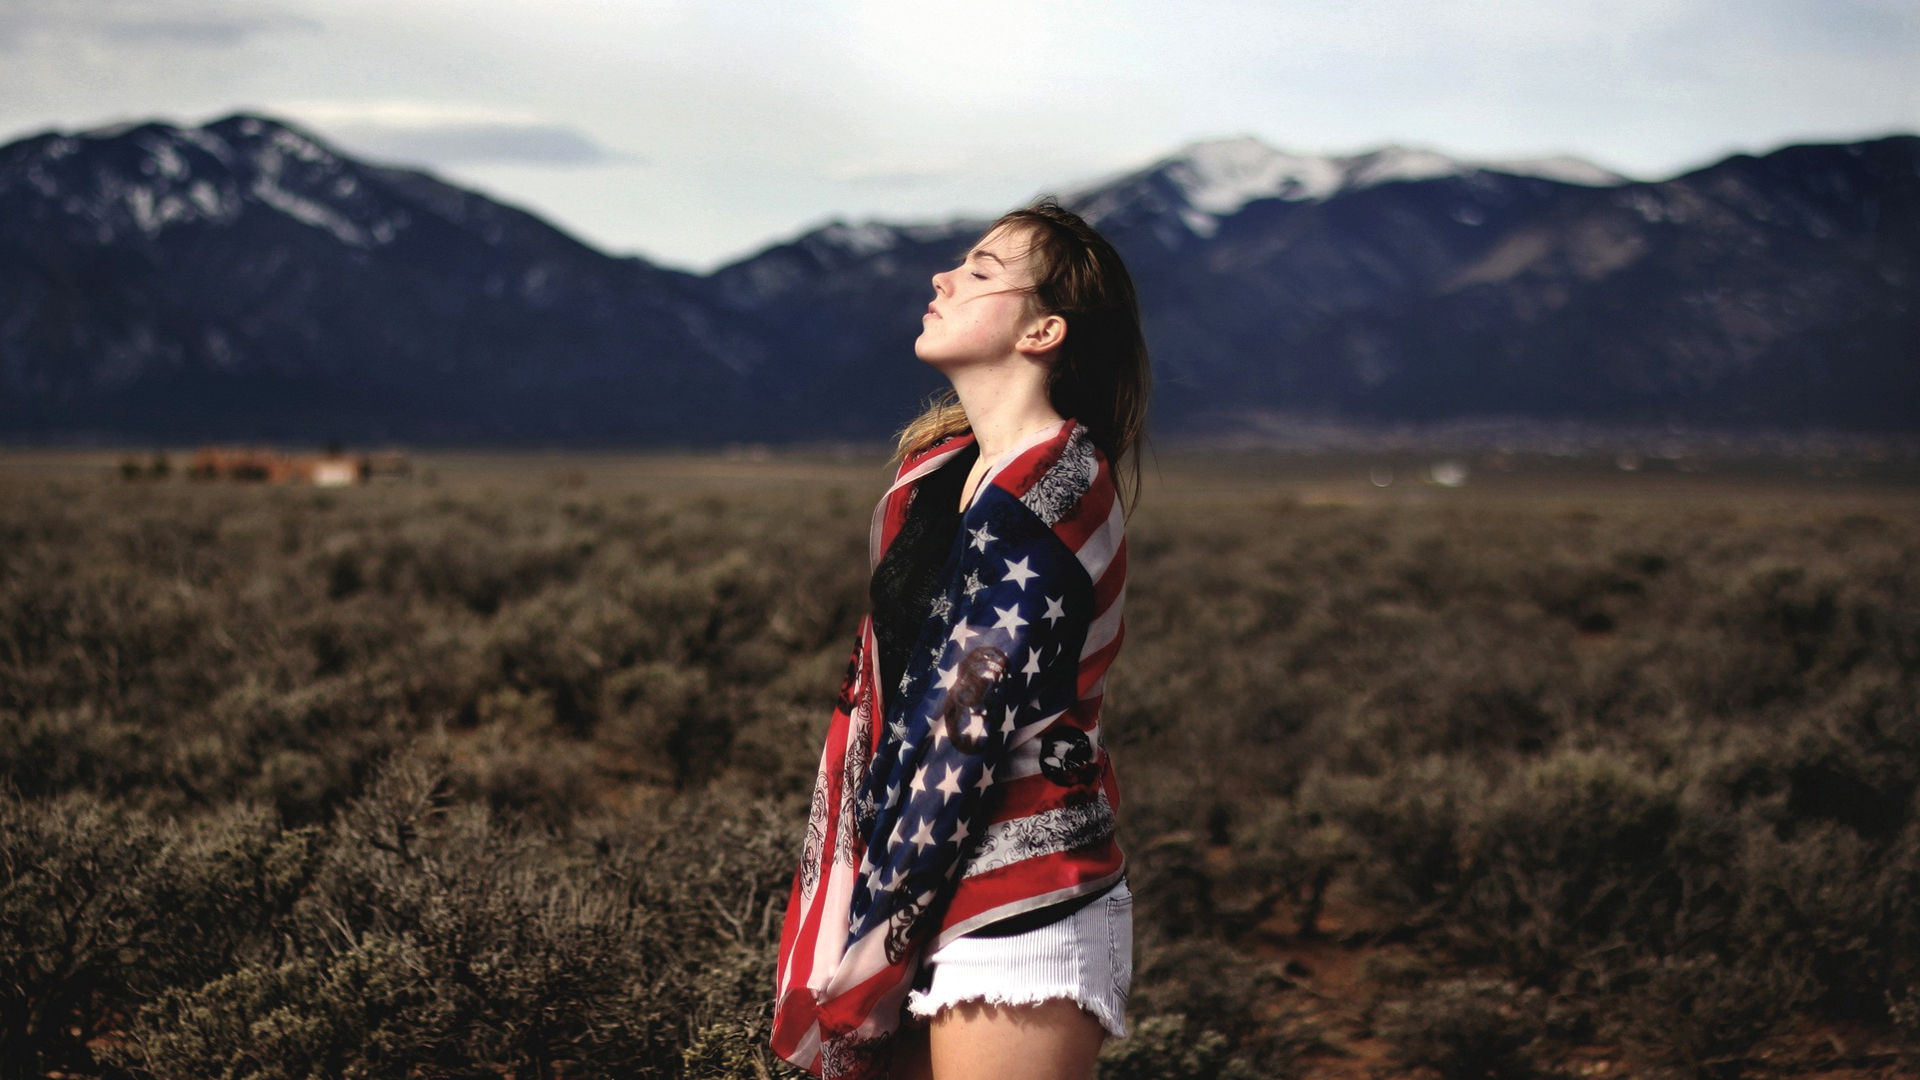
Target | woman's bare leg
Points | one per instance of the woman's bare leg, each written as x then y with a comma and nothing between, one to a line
1053,1040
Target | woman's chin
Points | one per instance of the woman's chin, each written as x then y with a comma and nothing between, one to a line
929,355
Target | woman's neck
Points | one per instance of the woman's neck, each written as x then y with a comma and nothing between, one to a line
1003,405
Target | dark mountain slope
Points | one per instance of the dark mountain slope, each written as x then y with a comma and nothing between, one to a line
243,280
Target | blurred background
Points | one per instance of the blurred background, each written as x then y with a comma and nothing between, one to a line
437,442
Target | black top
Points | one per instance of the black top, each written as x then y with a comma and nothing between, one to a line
907,581
911,575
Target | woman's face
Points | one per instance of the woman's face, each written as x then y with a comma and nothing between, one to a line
980,308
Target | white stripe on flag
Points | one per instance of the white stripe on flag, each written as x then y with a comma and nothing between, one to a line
1098,551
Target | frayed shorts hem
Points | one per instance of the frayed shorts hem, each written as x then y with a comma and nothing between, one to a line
1099,1008
1086,958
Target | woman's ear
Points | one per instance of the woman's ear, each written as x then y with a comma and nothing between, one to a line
1043,336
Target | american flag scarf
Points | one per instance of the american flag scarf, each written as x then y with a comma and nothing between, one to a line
978,788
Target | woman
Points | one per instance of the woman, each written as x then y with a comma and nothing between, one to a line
961,908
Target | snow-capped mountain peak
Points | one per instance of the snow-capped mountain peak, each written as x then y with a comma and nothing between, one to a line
1563,167
1221,177
148,178
1206,181
865,238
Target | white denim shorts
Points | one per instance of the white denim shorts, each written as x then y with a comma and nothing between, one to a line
1086,958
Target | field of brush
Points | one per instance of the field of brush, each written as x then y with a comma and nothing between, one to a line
501,770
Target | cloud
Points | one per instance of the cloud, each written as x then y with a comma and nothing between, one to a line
465,143
216,24
441,135
212,31
894,169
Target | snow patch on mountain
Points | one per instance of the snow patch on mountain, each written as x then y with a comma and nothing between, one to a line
270,186
308,212
867,238
162,159
209,142
154,209
1396,164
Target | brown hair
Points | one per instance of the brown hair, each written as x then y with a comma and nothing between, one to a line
1100,375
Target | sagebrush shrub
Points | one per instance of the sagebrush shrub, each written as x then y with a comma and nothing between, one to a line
1466,1029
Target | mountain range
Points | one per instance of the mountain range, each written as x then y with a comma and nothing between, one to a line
245,280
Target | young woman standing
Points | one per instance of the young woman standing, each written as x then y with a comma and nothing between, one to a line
961,908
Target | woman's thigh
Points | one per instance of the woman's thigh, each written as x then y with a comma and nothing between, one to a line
1053,1040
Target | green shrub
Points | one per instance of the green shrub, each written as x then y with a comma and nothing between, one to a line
1705,1014
1410,823
432,937
1167,1047
1569,856
103,908
1466,1029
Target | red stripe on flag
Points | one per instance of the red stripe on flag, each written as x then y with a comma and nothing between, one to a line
1089,514
1095,665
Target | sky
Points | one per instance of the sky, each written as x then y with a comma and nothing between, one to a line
693,133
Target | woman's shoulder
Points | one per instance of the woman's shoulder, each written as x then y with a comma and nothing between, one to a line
1063,491
948,445
1063,479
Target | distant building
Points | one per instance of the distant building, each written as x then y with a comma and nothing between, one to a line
274,467
336,472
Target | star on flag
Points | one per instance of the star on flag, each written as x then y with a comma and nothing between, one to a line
1010,619
1018,571
923,836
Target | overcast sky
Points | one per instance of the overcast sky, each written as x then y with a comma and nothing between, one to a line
693,132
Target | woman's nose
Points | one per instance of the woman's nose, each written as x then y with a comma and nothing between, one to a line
938,284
